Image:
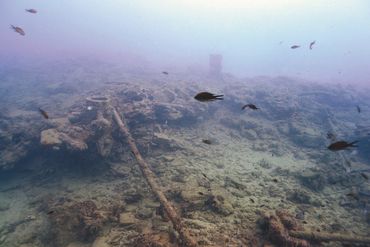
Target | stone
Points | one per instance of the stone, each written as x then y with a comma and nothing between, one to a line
219,205
100,242
54,137
50,137
4,206
144,213
133,198
315,181
127,218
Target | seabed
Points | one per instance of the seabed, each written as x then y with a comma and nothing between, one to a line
72,180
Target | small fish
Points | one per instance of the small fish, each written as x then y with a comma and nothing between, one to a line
201,193
311,44
341,145
165,72
275,180
50,212
358,108
353,195
251,106
206,96
44,113
18,30
33,11
364,176
206,141
204,175
295,46
251,200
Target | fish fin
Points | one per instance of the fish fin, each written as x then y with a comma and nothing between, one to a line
219,97
352,144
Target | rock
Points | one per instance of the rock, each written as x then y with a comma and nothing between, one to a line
133,198
100,242
144,213
50,137
315,181
367,217
219,205
54,137
302,197
4,206
299,196
229,182
264,163
127,219
78,244
83,217
164,142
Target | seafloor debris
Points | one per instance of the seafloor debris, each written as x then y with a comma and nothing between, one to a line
176,220
277,227
80,221
284,230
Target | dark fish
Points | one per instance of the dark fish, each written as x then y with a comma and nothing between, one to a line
358,108
44,113
50,212
275,180
311,44
295,46
205,96
353,195
204,175
201,193
33,11
251,200
364,176
341,145
165,72
251,106
18,30
207,141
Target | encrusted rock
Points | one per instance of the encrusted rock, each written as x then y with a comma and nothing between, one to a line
219,205
315,181
53,137
127,218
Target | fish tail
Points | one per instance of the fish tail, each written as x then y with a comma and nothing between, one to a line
219,97
352,144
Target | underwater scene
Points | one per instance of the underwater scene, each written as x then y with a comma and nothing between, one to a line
169,123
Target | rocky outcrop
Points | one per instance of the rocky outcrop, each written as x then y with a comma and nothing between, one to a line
58,139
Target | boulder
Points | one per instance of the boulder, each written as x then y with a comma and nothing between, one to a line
127,218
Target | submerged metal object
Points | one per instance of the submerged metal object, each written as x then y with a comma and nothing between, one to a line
102,125
100,103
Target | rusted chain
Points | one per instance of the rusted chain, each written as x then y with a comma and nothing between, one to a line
176,220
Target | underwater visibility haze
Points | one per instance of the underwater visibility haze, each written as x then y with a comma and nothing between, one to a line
184,123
